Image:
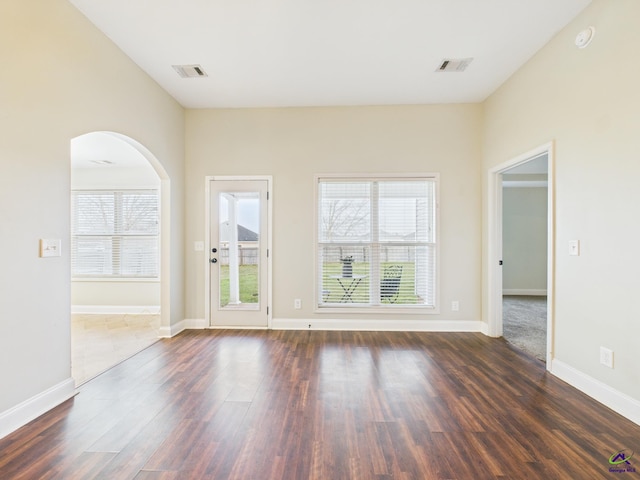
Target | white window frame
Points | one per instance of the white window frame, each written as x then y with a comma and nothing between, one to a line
119,277
359,308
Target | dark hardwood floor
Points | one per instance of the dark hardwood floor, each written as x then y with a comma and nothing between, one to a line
323,405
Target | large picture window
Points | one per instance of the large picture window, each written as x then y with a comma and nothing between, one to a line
376,244
115,233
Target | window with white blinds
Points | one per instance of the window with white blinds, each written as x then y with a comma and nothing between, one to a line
376,244
115,233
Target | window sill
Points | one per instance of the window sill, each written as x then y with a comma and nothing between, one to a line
116,279
391,309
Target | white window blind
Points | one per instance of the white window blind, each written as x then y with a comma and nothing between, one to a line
376,242
115,233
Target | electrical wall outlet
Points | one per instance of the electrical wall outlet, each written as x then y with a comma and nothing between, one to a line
297,304
606,357
455,306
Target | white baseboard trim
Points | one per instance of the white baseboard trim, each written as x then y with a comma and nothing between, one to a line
484,328
525,291
115,309
172,330
195,324
345,324
18,416
377,325
168,332
617,401
186,324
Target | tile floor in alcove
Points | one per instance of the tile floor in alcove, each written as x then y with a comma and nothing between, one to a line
99,342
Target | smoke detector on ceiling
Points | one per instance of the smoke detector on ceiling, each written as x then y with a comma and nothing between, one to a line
190,71
585,36
454,64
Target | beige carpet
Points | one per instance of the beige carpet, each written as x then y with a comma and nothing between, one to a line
99,342
524,323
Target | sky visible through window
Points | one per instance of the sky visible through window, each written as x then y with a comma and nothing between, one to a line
248,212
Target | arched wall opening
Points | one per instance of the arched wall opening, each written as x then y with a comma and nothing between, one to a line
109,161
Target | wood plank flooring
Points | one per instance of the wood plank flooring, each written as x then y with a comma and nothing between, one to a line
323,405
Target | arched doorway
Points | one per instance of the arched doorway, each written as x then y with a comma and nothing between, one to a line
120,251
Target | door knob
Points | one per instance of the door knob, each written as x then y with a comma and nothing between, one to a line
214,260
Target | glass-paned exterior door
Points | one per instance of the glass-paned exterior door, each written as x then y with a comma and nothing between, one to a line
238,256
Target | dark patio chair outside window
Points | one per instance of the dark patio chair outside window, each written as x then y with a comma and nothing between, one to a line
390,283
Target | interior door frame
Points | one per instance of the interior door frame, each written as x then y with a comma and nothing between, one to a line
494,254
207,244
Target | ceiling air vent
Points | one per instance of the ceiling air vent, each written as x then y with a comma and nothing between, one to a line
190,71
454,64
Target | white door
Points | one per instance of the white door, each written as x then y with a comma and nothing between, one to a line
238,257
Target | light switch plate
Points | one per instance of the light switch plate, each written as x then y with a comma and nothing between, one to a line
198,246
50,247
574,247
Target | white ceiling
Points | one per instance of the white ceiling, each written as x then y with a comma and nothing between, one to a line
102,150
277,53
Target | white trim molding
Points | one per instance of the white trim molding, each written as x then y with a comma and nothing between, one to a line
484,328
525,291
115,309
186,324
525,184
378,325
617,401
18,416
196,324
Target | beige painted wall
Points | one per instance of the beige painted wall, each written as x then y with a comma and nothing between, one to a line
588,101
133,294
295,144
524,240
62,79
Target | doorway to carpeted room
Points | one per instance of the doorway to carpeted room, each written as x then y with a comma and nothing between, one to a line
525,323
